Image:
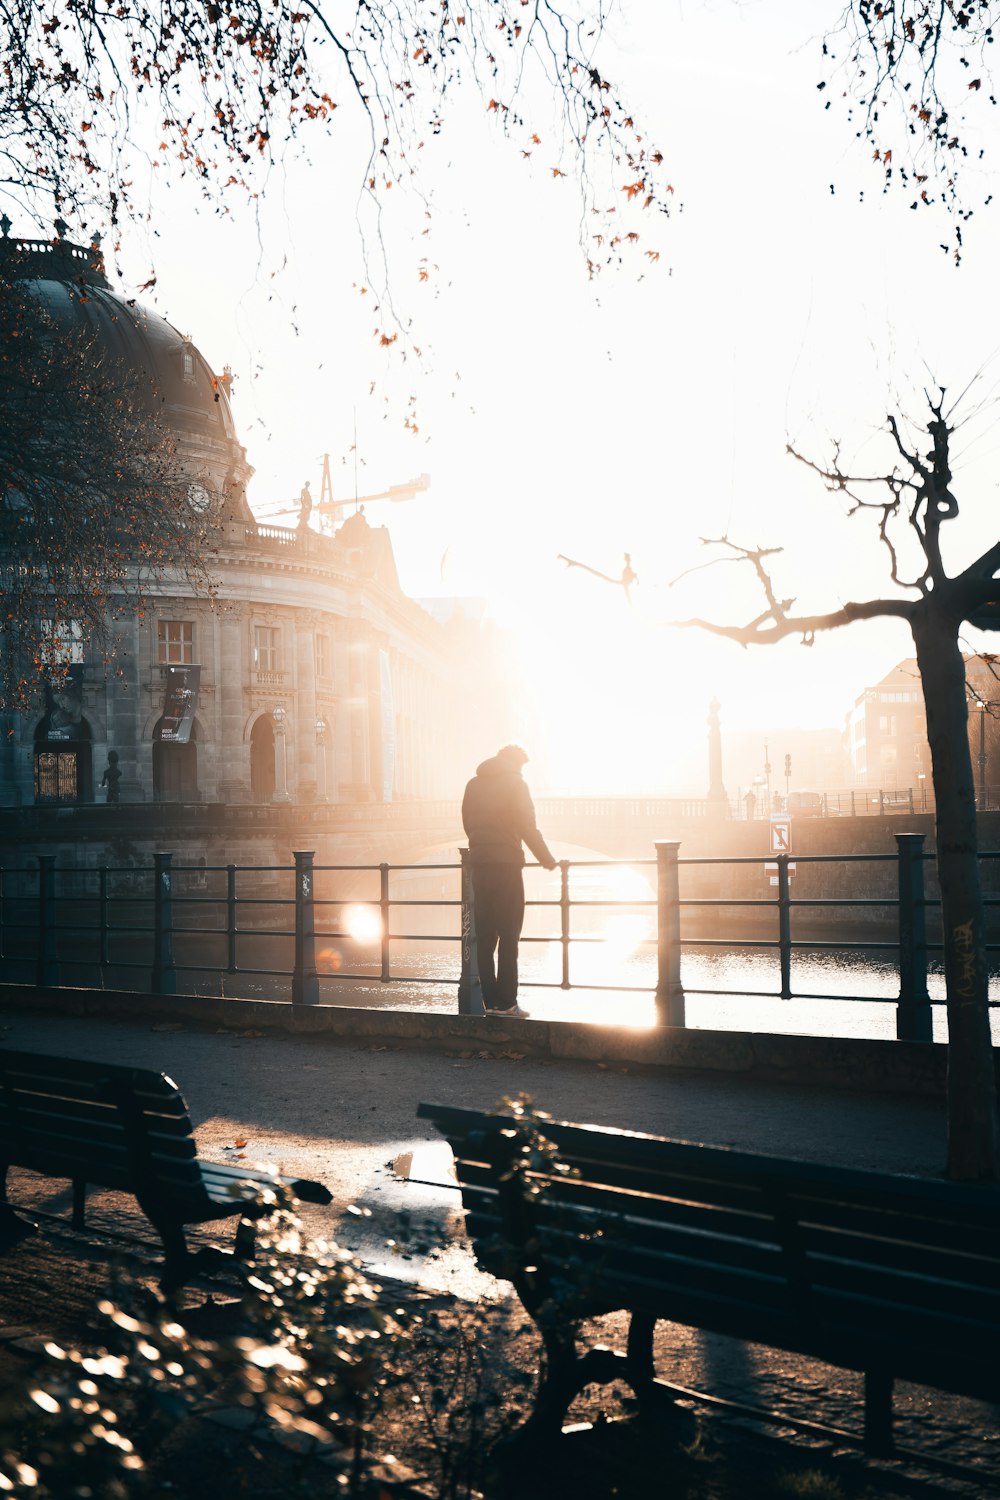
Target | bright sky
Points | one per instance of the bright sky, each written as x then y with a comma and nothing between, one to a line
633,413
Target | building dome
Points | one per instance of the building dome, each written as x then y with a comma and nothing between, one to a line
70,283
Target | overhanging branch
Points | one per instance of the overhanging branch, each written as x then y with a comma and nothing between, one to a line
768,628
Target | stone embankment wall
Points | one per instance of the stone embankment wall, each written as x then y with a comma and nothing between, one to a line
854,1065
835,877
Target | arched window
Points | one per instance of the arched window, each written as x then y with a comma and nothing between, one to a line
175,768
63,762
262,760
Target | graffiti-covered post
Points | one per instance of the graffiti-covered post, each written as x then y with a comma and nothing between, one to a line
669,990
914,1021
305,980
164,977
470,994
47,967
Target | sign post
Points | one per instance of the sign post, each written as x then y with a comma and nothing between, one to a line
781,843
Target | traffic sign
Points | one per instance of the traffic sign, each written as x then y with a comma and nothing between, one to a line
781,833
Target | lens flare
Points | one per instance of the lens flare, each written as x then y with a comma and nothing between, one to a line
363,923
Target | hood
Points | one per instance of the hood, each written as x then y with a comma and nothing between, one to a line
497,767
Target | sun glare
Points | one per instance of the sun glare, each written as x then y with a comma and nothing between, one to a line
362,923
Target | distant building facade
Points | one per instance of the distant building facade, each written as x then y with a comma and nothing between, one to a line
887,727
888,731
310,677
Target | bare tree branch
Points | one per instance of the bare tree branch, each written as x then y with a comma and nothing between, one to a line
628,577
770,627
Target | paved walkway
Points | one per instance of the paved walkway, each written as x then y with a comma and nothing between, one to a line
345,1114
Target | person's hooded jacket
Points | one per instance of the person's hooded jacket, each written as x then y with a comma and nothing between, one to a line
498,815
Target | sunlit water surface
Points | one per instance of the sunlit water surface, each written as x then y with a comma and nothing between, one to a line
612,969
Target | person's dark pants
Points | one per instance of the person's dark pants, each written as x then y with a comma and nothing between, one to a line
499,896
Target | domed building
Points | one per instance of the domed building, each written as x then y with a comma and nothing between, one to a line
309,679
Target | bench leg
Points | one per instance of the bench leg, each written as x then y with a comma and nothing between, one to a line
878,1411
640,1370
245,1242
560,1382
13,1229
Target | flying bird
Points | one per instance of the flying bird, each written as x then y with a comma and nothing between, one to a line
625,582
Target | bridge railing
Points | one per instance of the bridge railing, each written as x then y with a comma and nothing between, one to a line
299,930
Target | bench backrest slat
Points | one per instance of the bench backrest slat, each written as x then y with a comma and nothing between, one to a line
93,1121
835,1262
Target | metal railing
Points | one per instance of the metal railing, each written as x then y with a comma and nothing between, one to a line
128,919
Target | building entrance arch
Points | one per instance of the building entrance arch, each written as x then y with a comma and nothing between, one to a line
63,762
175,767
262,759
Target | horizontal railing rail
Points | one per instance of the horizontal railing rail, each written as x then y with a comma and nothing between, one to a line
277,921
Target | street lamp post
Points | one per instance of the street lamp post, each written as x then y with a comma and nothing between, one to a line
279,714
760,784
982,753
320,760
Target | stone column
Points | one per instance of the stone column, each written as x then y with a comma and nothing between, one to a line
718,802
305,707
233,755
123,725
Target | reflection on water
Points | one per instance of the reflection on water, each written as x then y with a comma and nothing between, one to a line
612,967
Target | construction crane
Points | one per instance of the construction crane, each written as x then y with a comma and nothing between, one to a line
328,506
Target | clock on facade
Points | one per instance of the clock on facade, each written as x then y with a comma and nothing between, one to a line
198,497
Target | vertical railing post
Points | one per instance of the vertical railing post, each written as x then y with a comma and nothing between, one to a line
164,976
470,994
47,968
669,990
911,799
914,1021
103,925
564,921
383,907
785,925
852,803
305,980
3,915
231,919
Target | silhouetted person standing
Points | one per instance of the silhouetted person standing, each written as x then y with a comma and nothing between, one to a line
112,776
498,815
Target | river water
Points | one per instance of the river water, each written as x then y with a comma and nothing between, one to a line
849,992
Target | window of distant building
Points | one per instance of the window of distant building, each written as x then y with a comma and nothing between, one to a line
175,642
322,656
266,648
887,724
61,642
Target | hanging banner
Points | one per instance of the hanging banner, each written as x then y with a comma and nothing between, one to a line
388,725
64,703
179,704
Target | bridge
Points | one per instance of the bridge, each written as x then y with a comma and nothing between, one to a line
617,827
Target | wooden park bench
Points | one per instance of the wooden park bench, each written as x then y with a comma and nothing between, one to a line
103,1125
894,1276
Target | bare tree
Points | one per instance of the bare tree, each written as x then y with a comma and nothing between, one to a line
93,499
915,75
216,90
913,501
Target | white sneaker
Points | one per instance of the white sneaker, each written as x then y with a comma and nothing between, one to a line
515,1011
